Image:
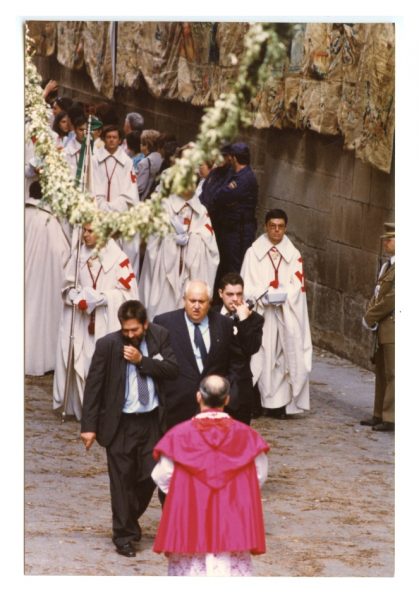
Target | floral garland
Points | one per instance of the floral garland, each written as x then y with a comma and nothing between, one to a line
220,124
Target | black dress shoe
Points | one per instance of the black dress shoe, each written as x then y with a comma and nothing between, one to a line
384,426
371,422
126,550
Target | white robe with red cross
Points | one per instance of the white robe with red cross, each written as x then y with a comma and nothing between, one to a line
112,277
115,187
169,265
282,366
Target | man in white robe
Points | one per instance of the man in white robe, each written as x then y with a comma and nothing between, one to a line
189,252
106,280
115,185
282,366
47,250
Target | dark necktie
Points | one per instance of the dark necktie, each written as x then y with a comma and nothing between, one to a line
143,395
199,343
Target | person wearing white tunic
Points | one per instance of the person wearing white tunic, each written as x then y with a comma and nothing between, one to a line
188,252
272,271
106,280
47,250
115,185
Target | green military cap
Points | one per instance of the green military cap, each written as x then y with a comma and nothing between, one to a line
95,124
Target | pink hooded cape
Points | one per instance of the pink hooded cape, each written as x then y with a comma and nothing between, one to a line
214,502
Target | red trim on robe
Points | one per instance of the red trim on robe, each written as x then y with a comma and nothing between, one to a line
125,282
124,263
300,275
133,177
208,226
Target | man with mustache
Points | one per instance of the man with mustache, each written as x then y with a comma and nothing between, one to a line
122,410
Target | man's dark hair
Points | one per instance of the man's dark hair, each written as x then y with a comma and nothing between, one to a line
214,390
64,102
106,113
35,190
231,279
132,309
79,121
134,141
109,128
76,110
276,213
241,152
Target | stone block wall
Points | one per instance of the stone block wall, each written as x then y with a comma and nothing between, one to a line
336,206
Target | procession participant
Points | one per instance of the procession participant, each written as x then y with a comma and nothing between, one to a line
188,252
47,250
215,179
133,150
122,403
211,468
150,164
234,205
62,127
115,184
133,122
379,318
248,330
105,281
282,366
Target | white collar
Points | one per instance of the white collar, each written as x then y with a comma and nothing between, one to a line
210,414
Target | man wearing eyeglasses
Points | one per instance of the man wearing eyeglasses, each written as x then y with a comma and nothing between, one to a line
273,275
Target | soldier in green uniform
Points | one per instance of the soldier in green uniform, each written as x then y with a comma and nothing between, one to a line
379,317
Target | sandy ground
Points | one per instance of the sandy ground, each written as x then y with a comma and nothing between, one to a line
328,501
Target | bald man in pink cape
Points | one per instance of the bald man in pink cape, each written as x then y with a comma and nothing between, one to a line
211,468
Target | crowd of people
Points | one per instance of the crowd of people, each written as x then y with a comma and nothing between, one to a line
187,336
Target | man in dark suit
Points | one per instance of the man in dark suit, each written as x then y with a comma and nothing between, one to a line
203,344
248,331
122,407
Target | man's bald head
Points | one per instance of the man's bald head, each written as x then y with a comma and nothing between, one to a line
213,391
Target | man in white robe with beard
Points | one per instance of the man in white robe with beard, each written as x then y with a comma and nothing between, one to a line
115,185
188,252
106,280
47,251
282,366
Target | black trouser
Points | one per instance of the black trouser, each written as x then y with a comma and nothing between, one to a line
130,463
